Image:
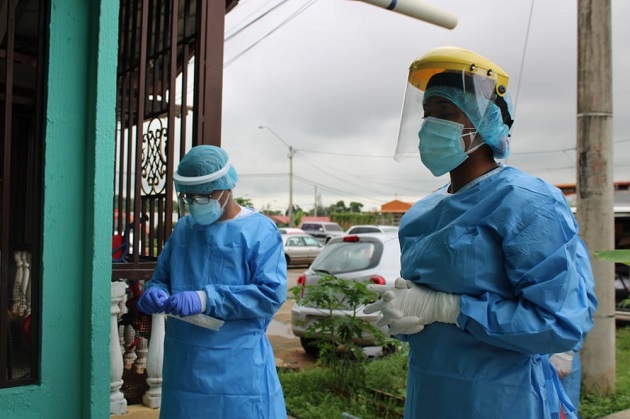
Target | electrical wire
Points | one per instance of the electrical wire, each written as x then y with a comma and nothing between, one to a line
284,22
337,191
232,35
520,71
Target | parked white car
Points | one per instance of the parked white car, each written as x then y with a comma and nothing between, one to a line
370,258
371,228
291,230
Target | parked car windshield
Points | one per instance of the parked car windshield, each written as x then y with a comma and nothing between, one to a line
390,229
372,229
302,241
333,227
343,257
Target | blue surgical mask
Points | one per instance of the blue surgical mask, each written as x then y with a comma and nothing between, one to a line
206,214
442,148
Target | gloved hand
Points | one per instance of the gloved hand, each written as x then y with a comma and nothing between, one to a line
408,302
184,303
394,319
152,300
562,362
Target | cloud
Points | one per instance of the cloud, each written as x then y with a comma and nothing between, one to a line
330,83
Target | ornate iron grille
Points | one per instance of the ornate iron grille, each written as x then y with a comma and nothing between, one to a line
23,44
170,71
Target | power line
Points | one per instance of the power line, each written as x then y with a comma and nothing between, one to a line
337,191
348,154
284,22
233,34
529,25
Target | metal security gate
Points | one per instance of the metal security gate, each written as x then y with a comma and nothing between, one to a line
23,44
169,92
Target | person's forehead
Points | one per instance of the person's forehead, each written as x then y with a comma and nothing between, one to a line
214,193
438,101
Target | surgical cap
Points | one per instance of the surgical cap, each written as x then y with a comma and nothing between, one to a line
204,160
490,126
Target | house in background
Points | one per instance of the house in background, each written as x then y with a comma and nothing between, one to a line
392,211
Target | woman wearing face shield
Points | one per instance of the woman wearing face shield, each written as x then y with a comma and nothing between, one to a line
226,262
496,277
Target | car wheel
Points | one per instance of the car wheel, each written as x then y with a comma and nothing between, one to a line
311,346
288,259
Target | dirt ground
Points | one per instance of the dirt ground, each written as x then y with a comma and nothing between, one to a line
286,347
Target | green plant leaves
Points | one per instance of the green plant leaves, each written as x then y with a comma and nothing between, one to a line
617,256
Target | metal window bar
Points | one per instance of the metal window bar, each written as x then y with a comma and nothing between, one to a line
158,119
23,44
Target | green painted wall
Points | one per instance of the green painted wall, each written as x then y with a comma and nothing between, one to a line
78,190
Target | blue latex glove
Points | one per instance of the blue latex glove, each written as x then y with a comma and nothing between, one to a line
152,300
184,303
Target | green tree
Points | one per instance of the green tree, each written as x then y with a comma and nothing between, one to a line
244,202
321,211
297,217
355,206
340,207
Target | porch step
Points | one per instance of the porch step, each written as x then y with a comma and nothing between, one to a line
138,411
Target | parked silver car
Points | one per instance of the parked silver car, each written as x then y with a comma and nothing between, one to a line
291,230
370,258
301,249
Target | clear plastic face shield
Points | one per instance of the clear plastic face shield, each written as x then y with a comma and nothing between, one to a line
195,190
470,87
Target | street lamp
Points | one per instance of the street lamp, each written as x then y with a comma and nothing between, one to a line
290,171
419,10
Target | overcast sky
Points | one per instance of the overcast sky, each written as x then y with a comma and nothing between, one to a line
328,78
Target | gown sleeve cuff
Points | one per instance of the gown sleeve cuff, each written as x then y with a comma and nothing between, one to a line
204,300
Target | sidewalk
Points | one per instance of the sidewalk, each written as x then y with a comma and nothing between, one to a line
143,412
619,415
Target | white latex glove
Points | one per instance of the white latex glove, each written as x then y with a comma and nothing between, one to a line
562,362
394,319
410,306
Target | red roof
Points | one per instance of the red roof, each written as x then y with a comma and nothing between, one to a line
279,219
310,218
396,206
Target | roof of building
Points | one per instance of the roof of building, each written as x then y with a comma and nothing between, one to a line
396,206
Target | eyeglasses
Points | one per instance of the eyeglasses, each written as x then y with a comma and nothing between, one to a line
194,199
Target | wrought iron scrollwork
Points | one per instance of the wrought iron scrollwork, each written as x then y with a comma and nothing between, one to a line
154,158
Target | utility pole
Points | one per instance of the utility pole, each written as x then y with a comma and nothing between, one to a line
290,186
595,185
315,206
291,153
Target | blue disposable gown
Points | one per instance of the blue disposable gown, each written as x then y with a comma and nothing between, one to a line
229,373
508,244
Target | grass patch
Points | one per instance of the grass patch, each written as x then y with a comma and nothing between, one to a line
312,393
592,407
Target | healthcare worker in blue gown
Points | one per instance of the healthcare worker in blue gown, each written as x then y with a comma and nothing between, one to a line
226,262
496,278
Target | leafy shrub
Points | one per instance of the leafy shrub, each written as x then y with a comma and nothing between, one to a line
335,335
